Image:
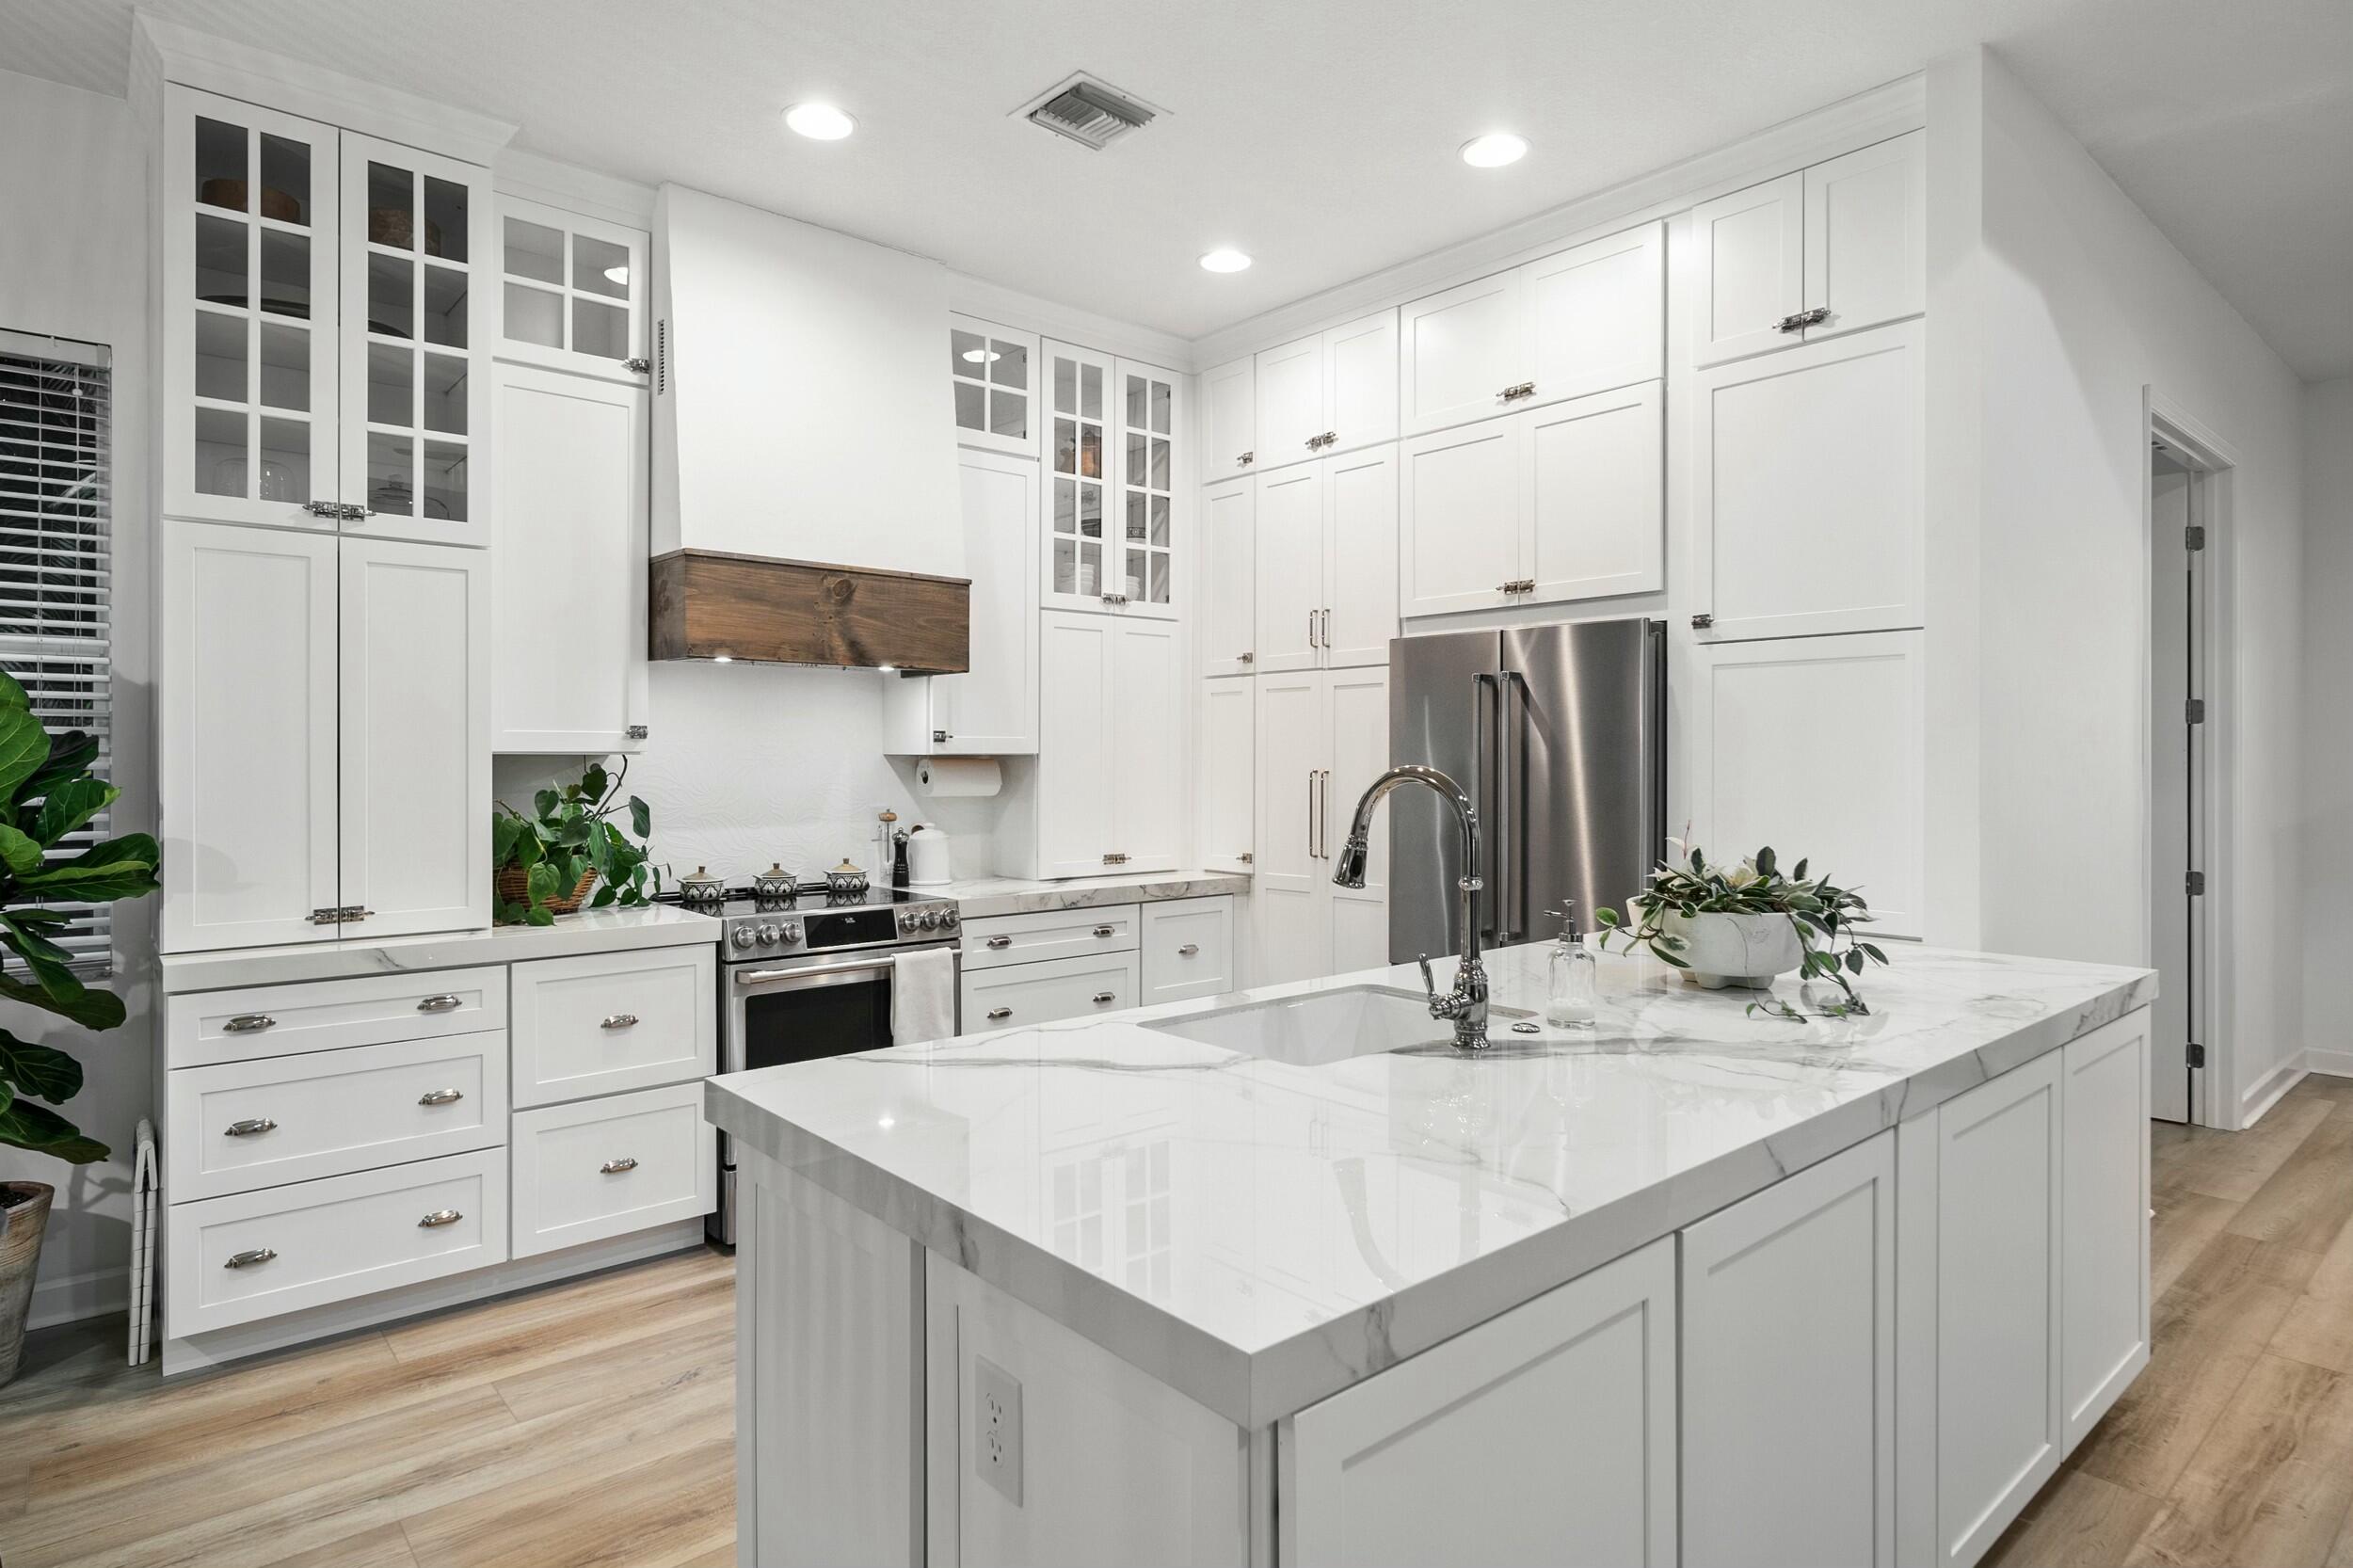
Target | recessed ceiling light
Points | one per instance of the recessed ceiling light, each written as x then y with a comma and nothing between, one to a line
819,121
981,356
1494,152
616,275
1224,259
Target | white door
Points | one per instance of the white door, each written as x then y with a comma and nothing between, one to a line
1228,747
1808,488
991,709
1359,558
1229,617
1597,315
568,575
1291,912
573,291
1457,351
1749,786
1592,495
415,722
1789,1306
1289,590
416,233
1867,236
2103,1224
245,719
1360,383
1458,509
1074,763
1291,403
1748,272
250,248
1545,1435
1150,505
1147,733
1079,567
1356,752
1229,419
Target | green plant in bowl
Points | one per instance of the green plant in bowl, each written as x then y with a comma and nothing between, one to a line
571,830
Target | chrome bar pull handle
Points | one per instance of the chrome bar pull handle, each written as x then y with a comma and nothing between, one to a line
248,1023
617,1167
618,1020
248,1126
438,1218
442,1003
249,1257
440,1096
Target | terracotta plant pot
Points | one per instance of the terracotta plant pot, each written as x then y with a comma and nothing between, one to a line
1736,949
21,1227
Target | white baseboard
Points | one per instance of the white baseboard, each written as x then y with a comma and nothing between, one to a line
70,1298
2336,1063
2266,1092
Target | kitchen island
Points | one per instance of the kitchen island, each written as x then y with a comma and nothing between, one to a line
1281,1277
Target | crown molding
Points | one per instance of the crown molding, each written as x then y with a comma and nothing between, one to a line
572,188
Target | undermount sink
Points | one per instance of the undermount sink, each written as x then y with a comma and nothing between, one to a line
1328,1025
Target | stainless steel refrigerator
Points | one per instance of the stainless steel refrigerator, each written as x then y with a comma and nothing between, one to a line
1559,734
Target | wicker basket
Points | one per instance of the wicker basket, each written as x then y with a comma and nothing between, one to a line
513,887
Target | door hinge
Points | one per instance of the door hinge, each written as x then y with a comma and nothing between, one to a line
344,913
2194,884
2197,1054
2194,537
2194,711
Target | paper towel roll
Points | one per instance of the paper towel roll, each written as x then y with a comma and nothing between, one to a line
948,776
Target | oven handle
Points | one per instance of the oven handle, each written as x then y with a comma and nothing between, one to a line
748,978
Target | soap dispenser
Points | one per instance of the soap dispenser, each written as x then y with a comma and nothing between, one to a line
1573,977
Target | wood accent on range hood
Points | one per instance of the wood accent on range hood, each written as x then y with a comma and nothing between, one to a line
708,603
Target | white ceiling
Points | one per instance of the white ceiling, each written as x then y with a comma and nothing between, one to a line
1320,136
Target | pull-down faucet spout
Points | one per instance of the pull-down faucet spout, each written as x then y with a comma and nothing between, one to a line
1467,1004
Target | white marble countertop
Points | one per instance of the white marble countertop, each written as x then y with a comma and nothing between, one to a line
979,897
590,931
1259,1234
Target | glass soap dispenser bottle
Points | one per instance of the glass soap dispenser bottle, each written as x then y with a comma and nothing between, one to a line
1573,977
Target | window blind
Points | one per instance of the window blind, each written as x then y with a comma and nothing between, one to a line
56,565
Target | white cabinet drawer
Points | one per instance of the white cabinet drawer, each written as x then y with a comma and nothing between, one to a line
244,1125
257,1255
613,1021
1016,996
204,1027
1050,934
1188,948
606,1167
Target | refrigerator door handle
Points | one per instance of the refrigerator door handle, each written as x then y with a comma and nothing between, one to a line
1481,756
1510,832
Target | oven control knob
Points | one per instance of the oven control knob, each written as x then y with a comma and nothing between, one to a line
742,937
768,933
792,931
948,919
931,919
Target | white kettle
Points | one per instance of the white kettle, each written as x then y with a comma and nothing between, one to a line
927,855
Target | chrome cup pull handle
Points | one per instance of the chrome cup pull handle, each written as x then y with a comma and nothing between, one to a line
999,944
249,1257
248,1126
1189,950
1107,931
999,1015
1104,999
440,1096
442,1003
618,1167
248,1023
438,1218
618,1020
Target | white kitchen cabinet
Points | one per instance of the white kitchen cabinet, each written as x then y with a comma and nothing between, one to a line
603,1023
414,718
1788,1302
1326,587
1188,950
1020,995
1109,783
1227,620
1808,489
1553,1426
991,709
1287,593
246,734
572,293
246,1022
1829,250
569,567
2104,1218
1227,829
1548,505
991,941
605,1167
1322,738
1750,706
991,371
1229,420
1585,320
1331,391
1111,506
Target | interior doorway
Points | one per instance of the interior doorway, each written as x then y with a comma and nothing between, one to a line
2183,720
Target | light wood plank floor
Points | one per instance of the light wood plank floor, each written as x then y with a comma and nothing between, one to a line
593,1423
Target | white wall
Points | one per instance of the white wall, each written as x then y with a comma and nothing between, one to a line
73,263
2074,308
2324,845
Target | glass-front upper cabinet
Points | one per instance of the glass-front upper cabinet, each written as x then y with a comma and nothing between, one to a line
249,221
990,369
1113,510
573,291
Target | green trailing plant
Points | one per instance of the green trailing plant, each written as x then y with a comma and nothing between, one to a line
47,791
1825,915
573,829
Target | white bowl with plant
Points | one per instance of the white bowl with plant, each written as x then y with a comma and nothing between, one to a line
1748,923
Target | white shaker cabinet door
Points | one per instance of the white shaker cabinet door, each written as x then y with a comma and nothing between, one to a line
1074,766
1458,509
1748,272
1597,315
1356,752
1288,588
2104,1226
1867,236
1291,403
991,709
1228,638
1457,351
568,655
1229,420
1360,383
415,721
1228,746
1807,487
1290,915
1592,495
1545,1435
245,719
1359,557
1788,1308
1147,735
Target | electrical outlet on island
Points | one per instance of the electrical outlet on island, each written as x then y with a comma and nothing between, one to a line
997,1428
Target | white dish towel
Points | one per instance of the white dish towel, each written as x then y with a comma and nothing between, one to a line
924,995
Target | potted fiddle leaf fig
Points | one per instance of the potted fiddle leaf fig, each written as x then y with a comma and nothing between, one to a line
571,850
47,791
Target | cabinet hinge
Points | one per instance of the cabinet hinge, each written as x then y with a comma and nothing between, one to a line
2194,537
2197,1054
1246,857
1701,622
2194,711
2194,884
938,736
344,913
1114,859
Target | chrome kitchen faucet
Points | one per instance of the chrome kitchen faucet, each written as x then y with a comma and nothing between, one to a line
1467,1004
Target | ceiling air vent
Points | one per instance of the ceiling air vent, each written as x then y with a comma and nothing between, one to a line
1088,112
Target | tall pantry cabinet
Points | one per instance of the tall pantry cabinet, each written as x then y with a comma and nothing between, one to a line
323,586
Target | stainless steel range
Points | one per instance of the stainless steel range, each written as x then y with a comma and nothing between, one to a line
808,976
